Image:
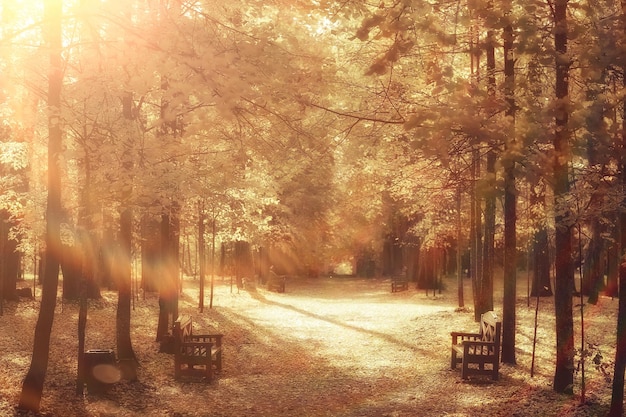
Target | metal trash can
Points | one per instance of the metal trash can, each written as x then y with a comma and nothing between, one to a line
100,370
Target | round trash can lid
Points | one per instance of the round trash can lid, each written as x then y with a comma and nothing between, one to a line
106,373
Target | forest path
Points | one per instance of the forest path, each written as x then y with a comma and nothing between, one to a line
349,347
340,346
328,347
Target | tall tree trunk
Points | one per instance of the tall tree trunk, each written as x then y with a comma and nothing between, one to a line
488,255
617,395
9,260
613,261
541,285
164,284
174,256
86,241
459,261
212,260
475,235
201,254
150,253
169,285
595,263
510,204
125,352
564,284
71,270
32,387
486,282
81,334
2,266
541,260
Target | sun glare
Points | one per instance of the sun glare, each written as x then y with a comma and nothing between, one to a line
25,5
20,13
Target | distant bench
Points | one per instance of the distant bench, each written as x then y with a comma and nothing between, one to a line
195,355
399,284
276,282
475,350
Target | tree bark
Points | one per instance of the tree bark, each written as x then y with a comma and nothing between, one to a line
595,263
475,235
71,269
613,261
201,255
150,253
617,394
173,255
212,261
125,352
488,254
541,285
564,283
2,267
32,387
510,206
459,262
9,260
485,287
165,287
86,271
168,288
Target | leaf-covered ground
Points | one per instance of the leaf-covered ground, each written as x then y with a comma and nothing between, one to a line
327,347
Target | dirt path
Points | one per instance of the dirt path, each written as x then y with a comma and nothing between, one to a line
358,345
326,347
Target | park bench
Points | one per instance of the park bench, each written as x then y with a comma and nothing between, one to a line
276,282
475,350
399,284
195,354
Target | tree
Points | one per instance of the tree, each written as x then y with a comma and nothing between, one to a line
202,255
540,253
484,296
12,184
168,283
510,197
617,394
125,352
564,282
10,258
32,387
599,197
535,138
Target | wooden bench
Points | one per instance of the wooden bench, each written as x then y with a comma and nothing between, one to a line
475,350
194,354
276,282
399,285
